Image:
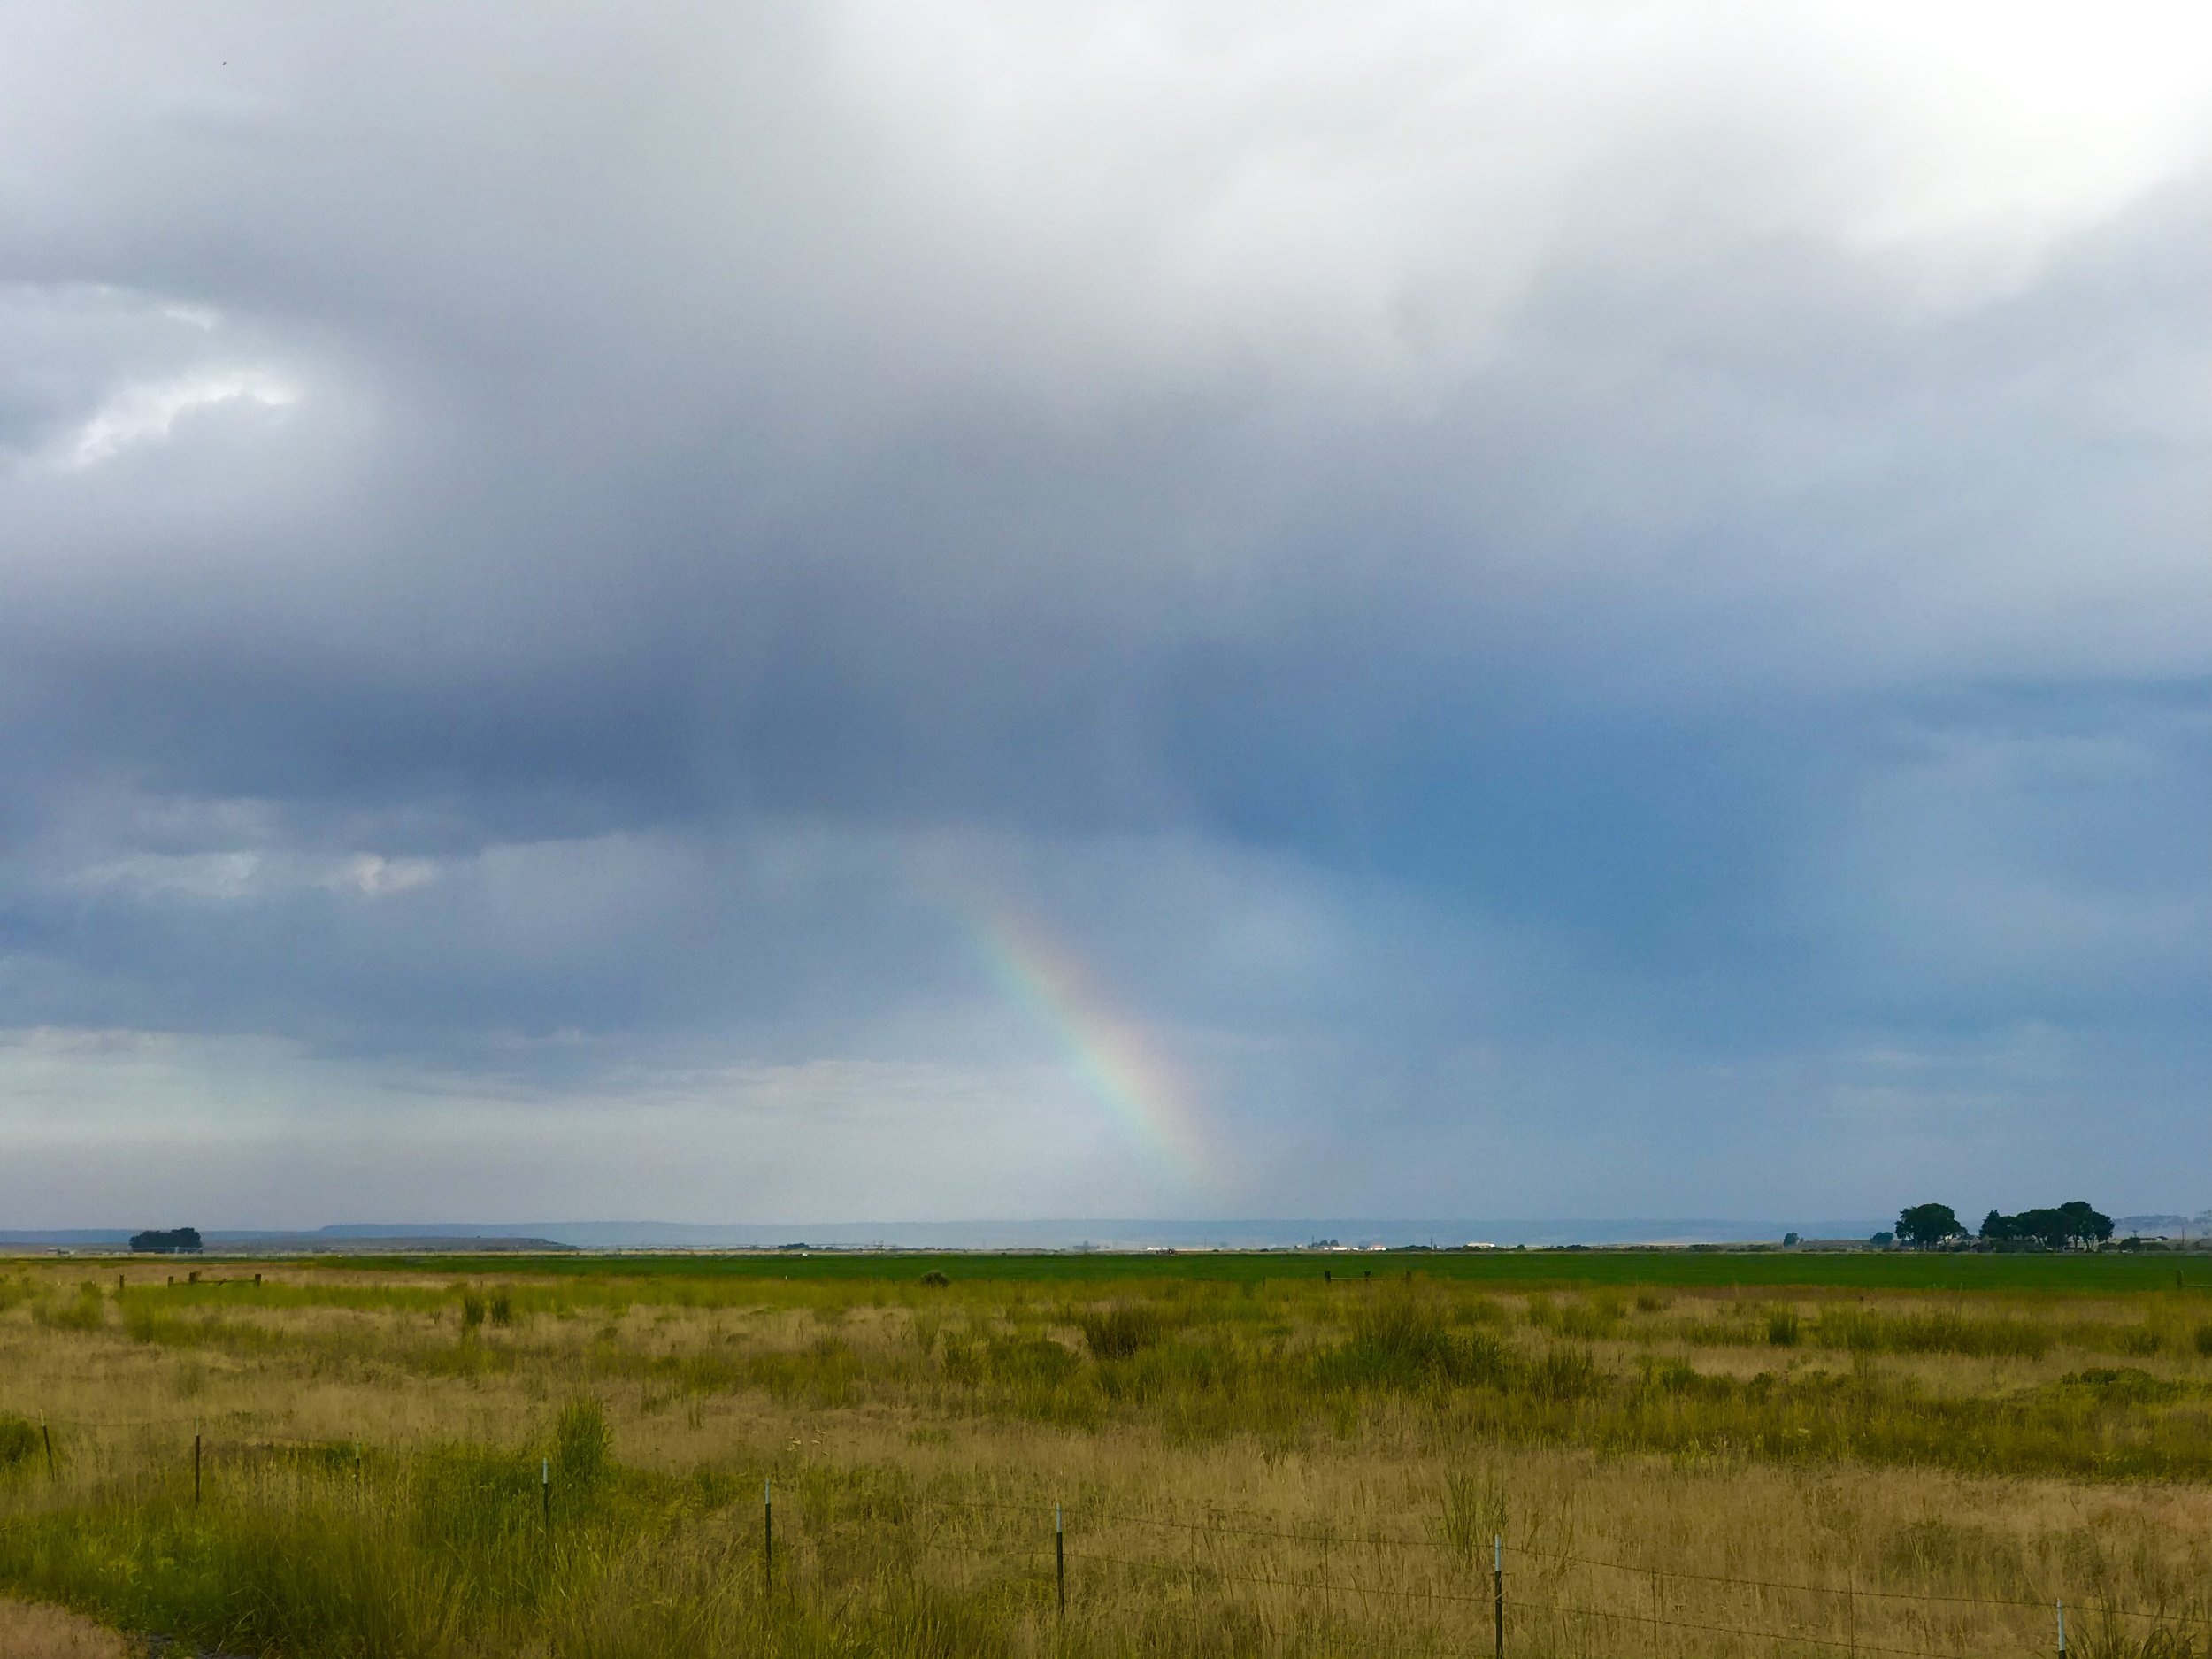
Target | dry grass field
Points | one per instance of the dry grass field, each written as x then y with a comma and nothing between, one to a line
469,1460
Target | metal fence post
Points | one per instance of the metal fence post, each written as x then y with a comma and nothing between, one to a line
1497,1590
1060,1558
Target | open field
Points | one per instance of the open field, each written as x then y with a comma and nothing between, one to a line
1683,1454
1701,1268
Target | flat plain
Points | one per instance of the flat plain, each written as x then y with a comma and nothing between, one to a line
1672,1453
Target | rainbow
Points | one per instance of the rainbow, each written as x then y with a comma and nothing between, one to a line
1116,1065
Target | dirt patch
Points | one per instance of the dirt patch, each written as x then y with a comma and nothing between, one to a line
32,1629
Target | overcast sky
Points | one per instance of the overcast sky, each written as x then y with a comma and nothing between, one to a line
845,611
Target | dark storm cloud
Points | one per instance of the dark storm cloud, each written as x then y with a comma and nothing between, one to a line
1474,585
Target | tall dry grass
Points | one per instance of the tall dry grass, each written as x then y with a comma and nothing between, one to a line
1269,1469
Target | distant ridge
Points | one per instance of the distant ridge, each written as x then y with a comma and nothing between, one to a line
367,1242
1122,1234
1126,1233
2196,1226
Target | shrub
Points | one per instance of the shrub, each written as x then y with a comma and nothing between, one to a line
1676,1376
472,1310
1122,1333
86,1312
1402,1339
923,1622
1474,1510
1590,1320
1483,1310
582,1441
824,1373
935,1279
1401,1342
2204,1340
1563,1374
1028,1360
2138,1387
1982,1337
1782,1328
502,1308
19,1439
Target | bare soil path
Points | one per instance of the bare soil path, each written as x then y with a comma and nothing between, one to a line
32,1629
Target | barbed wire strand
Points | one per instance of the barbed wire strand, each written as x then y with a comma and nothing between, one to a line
1374,1541
1174,1570
1033,1511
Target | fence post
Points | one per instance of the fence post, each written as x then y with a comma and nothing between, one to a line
545,1490
1060,1558
767,1534
47,1434
1497,1589
196,1463
2061,1628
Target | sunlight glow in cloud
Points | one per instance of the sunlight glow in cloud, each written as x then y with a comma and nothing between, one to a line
149,413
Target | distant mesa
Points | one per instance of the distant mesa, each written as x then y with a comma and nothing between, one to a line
173,1241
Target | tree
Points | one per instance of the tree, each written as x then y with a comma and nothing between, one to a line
1996,1228
2084,1226
1923,1226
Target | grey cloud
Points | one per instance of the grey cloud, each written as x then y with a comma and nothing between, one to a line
1403,542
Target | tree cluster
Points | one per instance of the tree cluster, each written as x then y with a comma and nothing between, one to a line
169,1242
2073,1225
2067,1227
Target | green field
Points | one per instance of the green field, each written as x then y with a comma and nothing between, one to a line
2103,1272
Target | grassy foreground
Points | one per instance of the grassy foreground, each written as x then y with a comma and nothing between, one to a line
568,1458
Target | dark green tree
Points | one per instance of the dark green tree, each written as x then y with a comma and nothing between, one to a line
172,1240
1923,1226
2084,1226
2069,1226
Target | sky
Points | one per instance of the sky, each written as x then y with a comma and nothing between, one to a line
734,613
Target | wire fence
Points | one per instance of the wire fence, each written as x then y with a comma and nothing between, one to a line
1054,1539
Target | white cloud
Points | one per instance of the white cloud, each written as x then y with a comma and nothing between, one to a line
239,876
374,875
148,411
